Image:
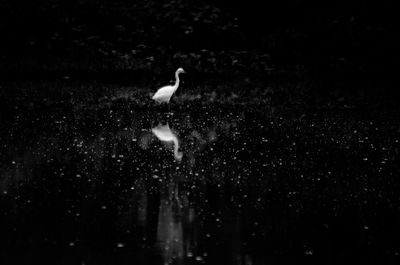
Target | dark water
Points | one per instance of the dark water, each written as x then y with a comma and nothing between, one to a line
86,180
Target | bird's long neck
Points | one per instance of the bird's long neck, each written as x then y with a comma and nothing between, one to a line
176,81
178,155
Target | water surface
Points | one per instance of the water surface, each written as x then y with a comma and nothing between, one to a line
92,180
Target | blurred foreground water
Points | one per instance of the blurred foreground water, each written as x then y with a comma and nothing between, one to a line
117,180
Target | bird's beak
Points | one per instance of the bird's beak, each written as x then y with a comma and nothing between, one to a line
183,71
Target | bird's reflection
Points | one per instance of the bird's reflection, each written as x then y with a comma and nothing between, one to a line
170,226
165,134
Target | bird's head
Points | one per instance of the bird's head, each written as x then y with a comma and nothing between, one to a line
180,71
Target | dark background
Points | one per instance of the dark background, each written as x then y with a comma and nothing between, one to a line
288,119
346,44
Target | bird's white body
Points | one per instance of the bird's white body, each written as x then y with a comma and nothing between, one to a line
164,94
164,134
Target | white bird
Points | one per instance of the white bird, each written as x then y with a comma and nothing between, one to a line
164,94
164,134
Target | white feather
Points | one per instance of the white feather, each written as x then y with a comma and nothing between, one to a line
164,94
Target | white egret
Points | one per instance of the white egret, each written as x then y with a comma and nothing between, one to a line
164,134
164,94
